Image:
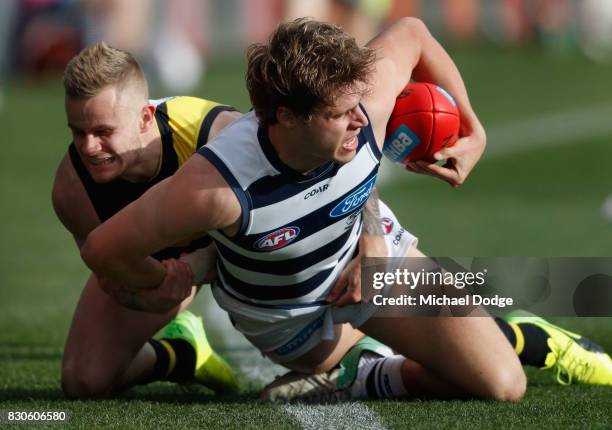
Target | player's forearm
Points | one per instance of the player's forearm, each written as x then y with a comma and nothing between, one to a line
127,299
371,215
146,274
128,270
372,242
435,65
143,301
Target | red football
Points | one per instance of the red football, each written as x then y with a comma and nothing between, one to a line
425,119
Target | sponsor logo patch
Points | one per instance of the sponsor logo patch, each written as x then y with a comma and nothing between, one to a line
301,338
387,224
277,239
353,201
350,220
398,237
316,191
402,142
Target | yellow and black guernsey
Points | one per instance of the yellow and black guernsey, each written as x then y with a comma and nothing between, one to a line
184,124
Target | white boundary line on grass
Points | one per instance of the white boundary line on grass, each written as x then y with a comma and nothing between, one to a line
261,371
554,128
347,415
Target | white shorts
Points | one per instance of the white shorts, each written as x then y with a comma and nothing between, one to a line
284,335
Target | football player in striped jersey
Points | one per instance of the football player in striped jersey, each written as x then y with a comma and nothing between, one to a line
281,192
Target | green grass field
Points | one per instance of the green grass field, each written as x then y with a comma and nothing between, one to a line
540,200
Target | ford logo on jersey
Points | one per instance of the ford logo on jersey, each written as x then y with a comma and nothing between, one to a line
277,239
355,200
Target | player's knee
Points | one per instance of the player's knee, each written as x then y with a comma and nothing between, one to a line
80,383
508,385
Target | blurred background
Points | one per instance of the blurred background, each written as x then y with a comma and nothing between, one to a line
39,36
539,73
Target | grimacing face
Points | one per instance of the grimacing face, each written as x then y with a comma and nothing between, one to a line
333,130
105,130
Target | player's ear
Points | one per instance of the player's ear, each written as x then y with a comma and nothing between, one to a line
285,117
147,117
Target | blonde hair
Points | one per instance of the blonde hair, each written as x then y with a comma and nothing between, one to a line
99,66
303,67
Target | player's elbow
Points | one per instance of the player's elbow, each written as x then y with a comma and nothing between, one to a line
413,27
481,134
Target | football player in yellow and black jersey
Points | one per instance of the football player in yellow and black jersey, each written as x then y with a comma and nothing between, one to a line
124,144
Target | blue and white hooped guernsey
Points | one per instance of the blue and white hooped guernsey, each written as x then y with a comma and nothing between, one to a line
298,231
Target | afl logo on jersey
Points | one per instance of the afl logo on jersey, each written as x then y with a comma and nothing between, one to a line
277,239
387,224
354,201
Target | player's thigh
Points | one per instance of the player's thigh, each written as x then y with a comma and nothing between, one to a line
470,352
104,333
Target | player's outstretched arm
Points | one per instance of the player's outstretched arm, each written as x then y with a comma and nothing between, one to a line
405,51
195,200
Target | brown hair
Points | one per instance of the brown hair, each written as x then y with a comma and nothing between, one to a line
99,66
302,67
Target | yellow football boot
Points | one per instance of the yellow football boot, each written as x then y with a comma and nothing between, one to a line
572,357
210,369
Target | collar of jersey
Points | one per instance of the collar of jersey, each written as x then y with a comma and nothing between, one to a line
167,144
273,158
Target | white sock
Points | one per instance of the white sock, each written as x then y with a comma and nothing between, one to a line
379,377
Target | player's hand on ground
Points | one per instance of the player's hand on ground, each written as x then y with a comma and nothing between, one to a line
347,289
203,264
460,159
